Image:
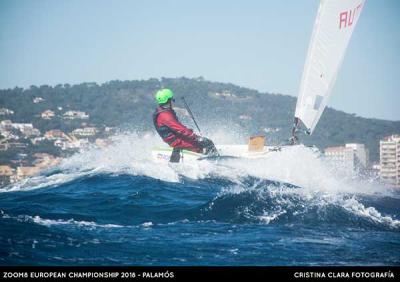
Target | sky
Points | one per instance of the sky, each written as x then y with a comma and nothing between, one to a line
255,44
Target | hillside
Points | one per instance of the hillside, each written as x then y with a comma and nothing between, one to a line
124,103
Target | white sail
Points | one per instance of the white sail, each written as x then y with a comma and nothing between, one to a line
333,28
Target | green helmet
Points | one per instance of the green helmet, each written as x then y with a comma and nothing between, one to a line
163,95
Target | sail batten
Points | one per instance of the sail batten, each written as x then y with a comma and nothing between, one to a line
332,31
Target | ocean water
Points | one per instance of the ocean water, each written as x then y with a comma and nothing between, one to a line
115,206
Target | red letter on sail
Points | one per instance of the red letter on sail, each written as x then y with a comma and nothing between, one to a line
343,19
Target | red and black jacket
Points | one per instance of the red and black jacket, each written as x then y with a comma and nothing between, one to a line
169,128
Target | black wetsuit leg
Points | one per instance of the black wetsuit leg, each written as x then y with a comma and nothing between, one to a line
175,156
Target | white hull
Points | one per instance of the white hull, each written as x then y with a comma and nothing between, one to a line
162,154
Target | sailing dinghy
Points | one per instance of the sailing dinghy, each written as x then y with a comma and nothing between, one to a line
333,28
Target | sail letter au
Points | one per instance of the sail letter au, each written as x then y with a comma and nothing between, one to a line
334,25
346,18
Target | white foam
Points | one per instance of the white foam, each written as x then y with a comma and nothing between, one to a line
50,222
147,224
370,213
131,153
268,217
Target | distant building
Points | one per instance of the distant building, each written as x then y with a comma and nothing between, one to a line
351,157
6,124
31,132
43,156
17,145
24,171
109,130
6,170
9,135
36,140
103,142
4,146
376,169
44,160
85,132
84,143
72,144
4,111
341,156
26,129
245,117
75,115
65,145
225,94
54,134
361,154
48,114
38,100
79,144
389,148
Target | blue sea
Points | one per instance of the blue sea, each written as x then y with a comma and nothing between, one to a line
116,206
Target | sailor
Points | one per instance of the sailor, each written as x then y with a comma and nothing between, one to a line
175,133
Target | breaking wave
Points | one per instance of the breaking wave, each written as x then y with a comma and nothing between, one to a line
119,189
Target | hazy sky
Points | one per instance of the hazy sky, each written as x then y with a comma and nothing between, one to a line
256,44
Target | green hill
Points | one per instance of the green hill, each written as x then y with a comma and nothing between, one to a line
124,103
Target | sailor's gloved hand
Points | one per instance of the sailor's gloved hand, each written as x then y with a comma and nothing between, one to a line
203,140
207,145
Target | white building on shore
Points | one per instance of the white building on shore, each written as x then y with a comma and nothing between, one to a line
4,111
48,114
73,144
389,149
75,115
37,100
26,129
351,156
85,132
